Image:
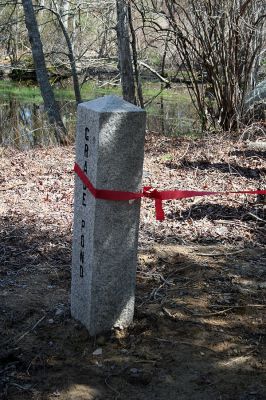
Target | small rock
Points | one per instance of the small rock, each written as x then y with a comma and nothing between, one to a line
134,370
59,312
98,352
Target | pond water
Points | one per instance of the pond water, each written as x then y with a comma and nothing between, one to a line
23,123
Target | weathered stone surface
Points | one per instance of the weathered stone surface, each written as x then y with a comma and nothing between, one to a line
110,149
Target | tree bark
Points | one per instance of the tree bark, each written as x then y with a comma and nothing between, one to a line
125,61
71,60
135,57
42,76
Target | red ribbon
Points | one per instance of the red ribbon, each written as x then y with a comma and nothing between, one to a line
149,192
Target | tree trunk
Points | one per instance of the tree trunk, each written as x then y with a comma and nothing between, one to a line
42,77
65,13
71,60
135,57
125,62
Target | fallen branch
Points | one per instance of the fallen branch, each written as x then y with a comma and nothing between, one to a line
173,342
173,316
258,145
210,314
246,305
164,80
220,254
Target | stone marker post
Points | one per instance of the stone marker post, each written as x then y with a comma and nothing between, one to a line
110,150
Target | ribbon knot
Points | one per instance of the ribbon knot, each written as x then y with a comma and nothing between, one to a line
149,192
154,194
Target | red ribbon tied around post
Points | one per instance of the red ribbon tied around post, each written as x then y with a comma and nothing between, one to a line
149,192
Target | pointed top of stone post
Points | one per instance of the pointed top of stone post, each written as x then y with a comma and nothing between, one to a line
111,103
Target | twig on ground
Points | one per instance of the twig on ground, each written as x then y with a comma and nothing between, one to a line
244,306
173,316
184,154
231,253
12,187
173,342
25,333
255,216
25,387
210,314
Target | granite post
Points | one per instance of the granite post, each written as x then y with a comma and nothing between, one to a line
110,150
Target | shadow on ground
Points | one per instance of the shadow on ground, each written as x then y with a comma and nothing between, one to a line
249,153
247,172
213,211
198,329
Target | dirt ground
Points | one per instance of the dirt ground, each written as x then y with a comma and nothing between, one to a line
199,327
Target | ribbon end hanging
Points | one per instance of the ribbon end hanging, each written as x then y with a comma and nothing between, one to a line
159,210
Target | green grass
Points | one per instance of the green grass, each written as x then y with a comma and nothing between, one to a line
90,90
178,112
21,93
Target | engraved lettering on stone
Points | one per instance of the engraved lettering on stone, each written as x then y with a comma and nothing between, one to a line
105,234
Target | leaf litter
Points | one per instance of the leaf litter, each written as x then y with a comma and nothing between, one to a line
199,327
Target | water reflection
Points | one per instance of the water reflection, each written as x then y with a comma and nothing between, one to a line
170,119
24,125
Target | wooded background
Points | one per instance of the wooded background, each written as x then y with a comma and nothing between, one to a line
215,47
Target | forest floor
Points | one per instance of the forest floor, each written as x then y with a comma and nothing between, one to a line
199,326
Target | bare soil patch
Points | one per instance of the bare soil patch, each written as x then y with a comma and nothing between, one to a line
199,328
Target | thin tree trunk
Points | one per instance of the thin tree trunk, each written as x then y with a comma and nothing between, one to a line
65,13
62,23
42,76
125,62
71,60
135,57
